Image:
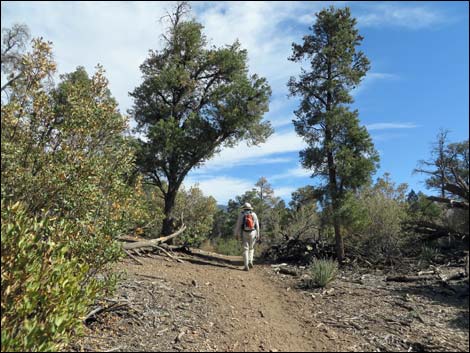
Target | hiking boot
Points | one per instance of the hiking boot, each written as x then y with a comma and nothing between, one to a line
246,268
250,265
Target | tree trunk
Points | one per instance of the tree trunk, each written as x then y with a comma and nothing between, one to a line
168,221
339,241
333,187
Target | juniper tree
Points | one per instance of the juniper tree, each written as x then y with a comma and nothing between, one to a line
193,101
303,196
339,149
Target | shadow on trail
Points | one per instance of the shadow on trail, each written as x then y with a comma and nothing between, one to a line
197,261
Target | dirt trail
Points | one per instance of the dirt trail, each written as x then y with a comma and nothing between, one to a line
205,308
187,306
250,312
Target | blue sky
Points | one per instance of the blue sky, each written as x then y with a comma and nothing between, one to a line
418,82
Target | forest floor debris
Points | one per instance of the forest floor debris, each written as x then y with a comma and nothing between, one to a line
176,306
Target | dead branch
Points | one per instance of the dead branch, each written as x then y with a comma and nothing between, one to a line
133,257
432,231
168,254
101,309
153,242
450,202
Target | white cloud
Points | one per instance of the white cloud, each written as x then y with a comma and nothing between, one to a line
281,122
405,16
262,28
298,172
222,188
387,137
117,35
245,155
208,169
370,79
284,192
387,126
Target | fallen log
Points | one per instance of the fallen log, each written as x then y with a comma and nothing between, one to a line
452,276
153,242
409,278
130,239
438,277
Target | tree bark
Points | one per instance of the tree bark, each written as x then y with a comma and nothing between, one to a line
333,187
339,242
334,202
168,221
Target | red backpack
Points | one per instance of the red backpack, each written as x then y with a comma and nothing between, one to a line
248,222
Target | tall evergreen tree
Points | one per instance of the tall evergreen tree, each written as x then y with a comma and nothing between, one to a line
339,149
193,101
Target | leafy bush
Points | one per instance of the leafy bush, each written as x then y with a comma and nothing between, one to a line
66,159
228,246
64,151
45,288
198,212
373,218
323,272
303,223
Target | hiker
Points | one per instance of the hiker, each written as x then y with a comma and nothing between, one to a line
248,228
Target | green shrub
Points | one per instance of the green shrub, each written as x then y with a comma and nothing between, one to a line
374,216
323,272
45,289
228,246
198,213
66,166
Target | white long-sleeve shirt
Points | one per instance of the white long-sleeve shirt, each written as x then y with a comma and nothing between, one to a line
238,227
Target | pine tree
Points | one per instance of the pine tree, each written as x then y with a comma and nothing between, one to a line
339,149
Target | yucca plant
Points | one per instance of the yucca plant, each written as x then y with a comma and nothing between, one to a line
428,254
323,271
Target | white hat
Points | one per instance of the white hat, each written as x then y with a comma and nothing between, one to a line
247,206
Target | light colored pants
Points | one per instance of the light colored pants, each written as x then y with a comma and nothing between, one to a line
248,243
